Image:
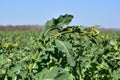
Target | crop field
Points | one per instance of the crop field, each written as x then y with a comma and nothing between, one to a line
60,53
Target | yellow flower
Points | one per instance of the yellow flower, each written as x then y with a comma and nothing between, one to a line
6,45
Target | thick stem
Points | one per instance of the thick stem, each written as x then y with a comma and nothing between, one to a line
80,77
55,36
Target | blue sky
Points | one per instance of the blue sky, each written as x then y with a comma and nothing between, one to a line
86,12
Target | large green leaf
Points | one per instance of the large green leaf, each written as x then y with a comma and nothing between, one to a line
116,75
54,73
65,47
59,22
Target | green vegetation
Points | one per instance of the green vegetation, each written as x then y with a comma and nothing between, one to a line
60,52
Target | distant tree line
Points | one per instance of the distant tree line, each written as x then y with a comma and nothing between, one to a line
22,27
40,28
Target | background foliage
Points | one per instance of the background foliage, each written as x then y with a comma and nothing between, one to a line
60,52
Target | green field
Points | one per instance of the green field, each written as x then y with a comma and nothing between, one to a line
57,53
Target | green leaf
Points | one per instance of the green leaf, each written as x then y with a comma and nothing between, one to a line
116,75
50,24
54,73
66,47
57,23
64,20
64,76
113,43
